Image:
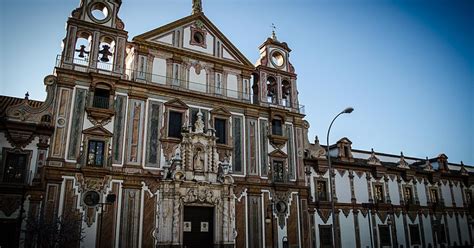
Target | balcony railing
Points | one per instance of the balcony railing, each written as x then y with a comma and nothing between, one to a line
87,65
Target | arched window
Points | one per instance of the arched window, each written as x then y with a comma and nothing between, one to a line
83,48
272,92
106,54
286,93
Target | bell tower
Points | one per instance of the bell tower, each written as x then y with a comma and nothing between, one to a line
275,79
95,38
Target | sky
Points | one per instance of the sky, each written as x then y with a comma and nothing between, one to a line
407,67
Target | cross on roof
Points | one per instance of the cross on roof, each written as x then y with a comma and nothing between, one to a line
273,31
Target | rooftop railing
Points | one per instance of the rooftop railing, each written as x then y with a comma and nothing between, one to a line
216,90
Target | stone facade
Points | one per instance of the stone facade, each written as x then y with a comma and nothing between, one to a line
175,139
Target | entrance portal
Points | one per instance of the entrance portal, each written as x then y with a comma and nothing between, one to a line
198,227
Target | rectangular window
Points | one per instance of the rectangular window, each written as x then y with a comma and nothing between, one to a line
325,236
434,196
175,75
276,127
408,195
101,98
278,171
15,168
322,190
218,83
221,134
142,67
379,194
237,135
175,123
95,153
415,235
384,233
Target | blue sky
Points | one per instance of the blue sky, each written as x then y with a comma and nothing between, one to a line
407,67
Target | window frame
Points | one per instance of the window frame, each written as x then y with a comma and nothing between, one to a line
389,238
375,186
225,130
15,151
316,189
411,228
328,229
103,160
412,197
179,113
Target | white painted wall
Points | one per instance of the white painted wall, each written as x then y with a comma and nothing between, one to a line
360,189
446,193
421,190
232,86
347,230
209,42
364,230
343,187
197,82
159,71
394,191
427,230
400,230
457,192
452,230
464,230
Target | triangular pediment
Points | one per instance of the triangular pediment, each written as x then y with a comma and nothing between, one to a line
345,140
220,111
278,154
98,131
179,34
176,103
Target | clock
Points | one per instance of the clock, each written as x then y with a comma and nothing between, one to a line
277,58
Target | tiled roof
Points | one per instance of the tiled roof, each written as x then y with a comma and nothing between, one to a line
7,101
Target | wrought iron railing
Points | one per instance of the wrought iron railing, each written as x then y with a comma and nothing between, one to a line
88,65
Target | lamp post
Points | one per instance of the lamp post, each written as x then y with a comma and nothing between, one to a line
345,111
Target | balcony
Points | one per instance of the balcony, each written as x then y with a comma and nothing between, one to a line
84,65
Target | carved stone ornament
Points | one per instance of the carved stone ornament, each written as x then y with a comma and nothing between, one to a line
9,204
402,163
324,214
201,195
373,160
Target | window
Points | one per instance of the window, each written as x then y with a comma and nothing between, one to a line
221,134
322,190
347,152
175,75
15,168
415,235
384,233
434,196
101,98
218,84
441,234
278,171
95,153
175,123
379,195
276,127
408,194
325,236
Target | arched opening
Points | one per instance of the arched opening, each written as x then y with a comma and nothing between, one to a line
286,93
272,92
255,81
106,54
83,48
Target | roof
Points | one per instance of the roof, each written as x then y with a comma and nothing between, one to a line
8,101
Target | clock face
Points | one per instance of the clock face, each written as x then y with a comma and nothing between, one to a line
277,59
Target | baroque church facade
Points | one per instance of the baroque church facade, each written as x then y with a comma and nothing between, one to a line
175,139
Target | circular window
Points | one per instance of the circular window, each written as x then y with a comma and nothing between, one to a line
278,59
91,198
99,12
280,207
198,37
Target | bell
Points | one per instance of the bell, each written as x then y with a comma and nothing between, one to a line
105,53
82,51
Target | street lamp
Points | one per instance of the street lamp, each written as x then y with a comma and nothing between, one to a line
345,111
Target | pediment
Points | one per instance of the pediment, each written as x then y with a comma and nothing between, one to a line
176,103
98,131
178,34
345,140
278,154
221,111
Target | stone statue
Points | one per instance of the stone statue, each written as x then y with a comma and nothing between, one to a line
197,6
198,161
